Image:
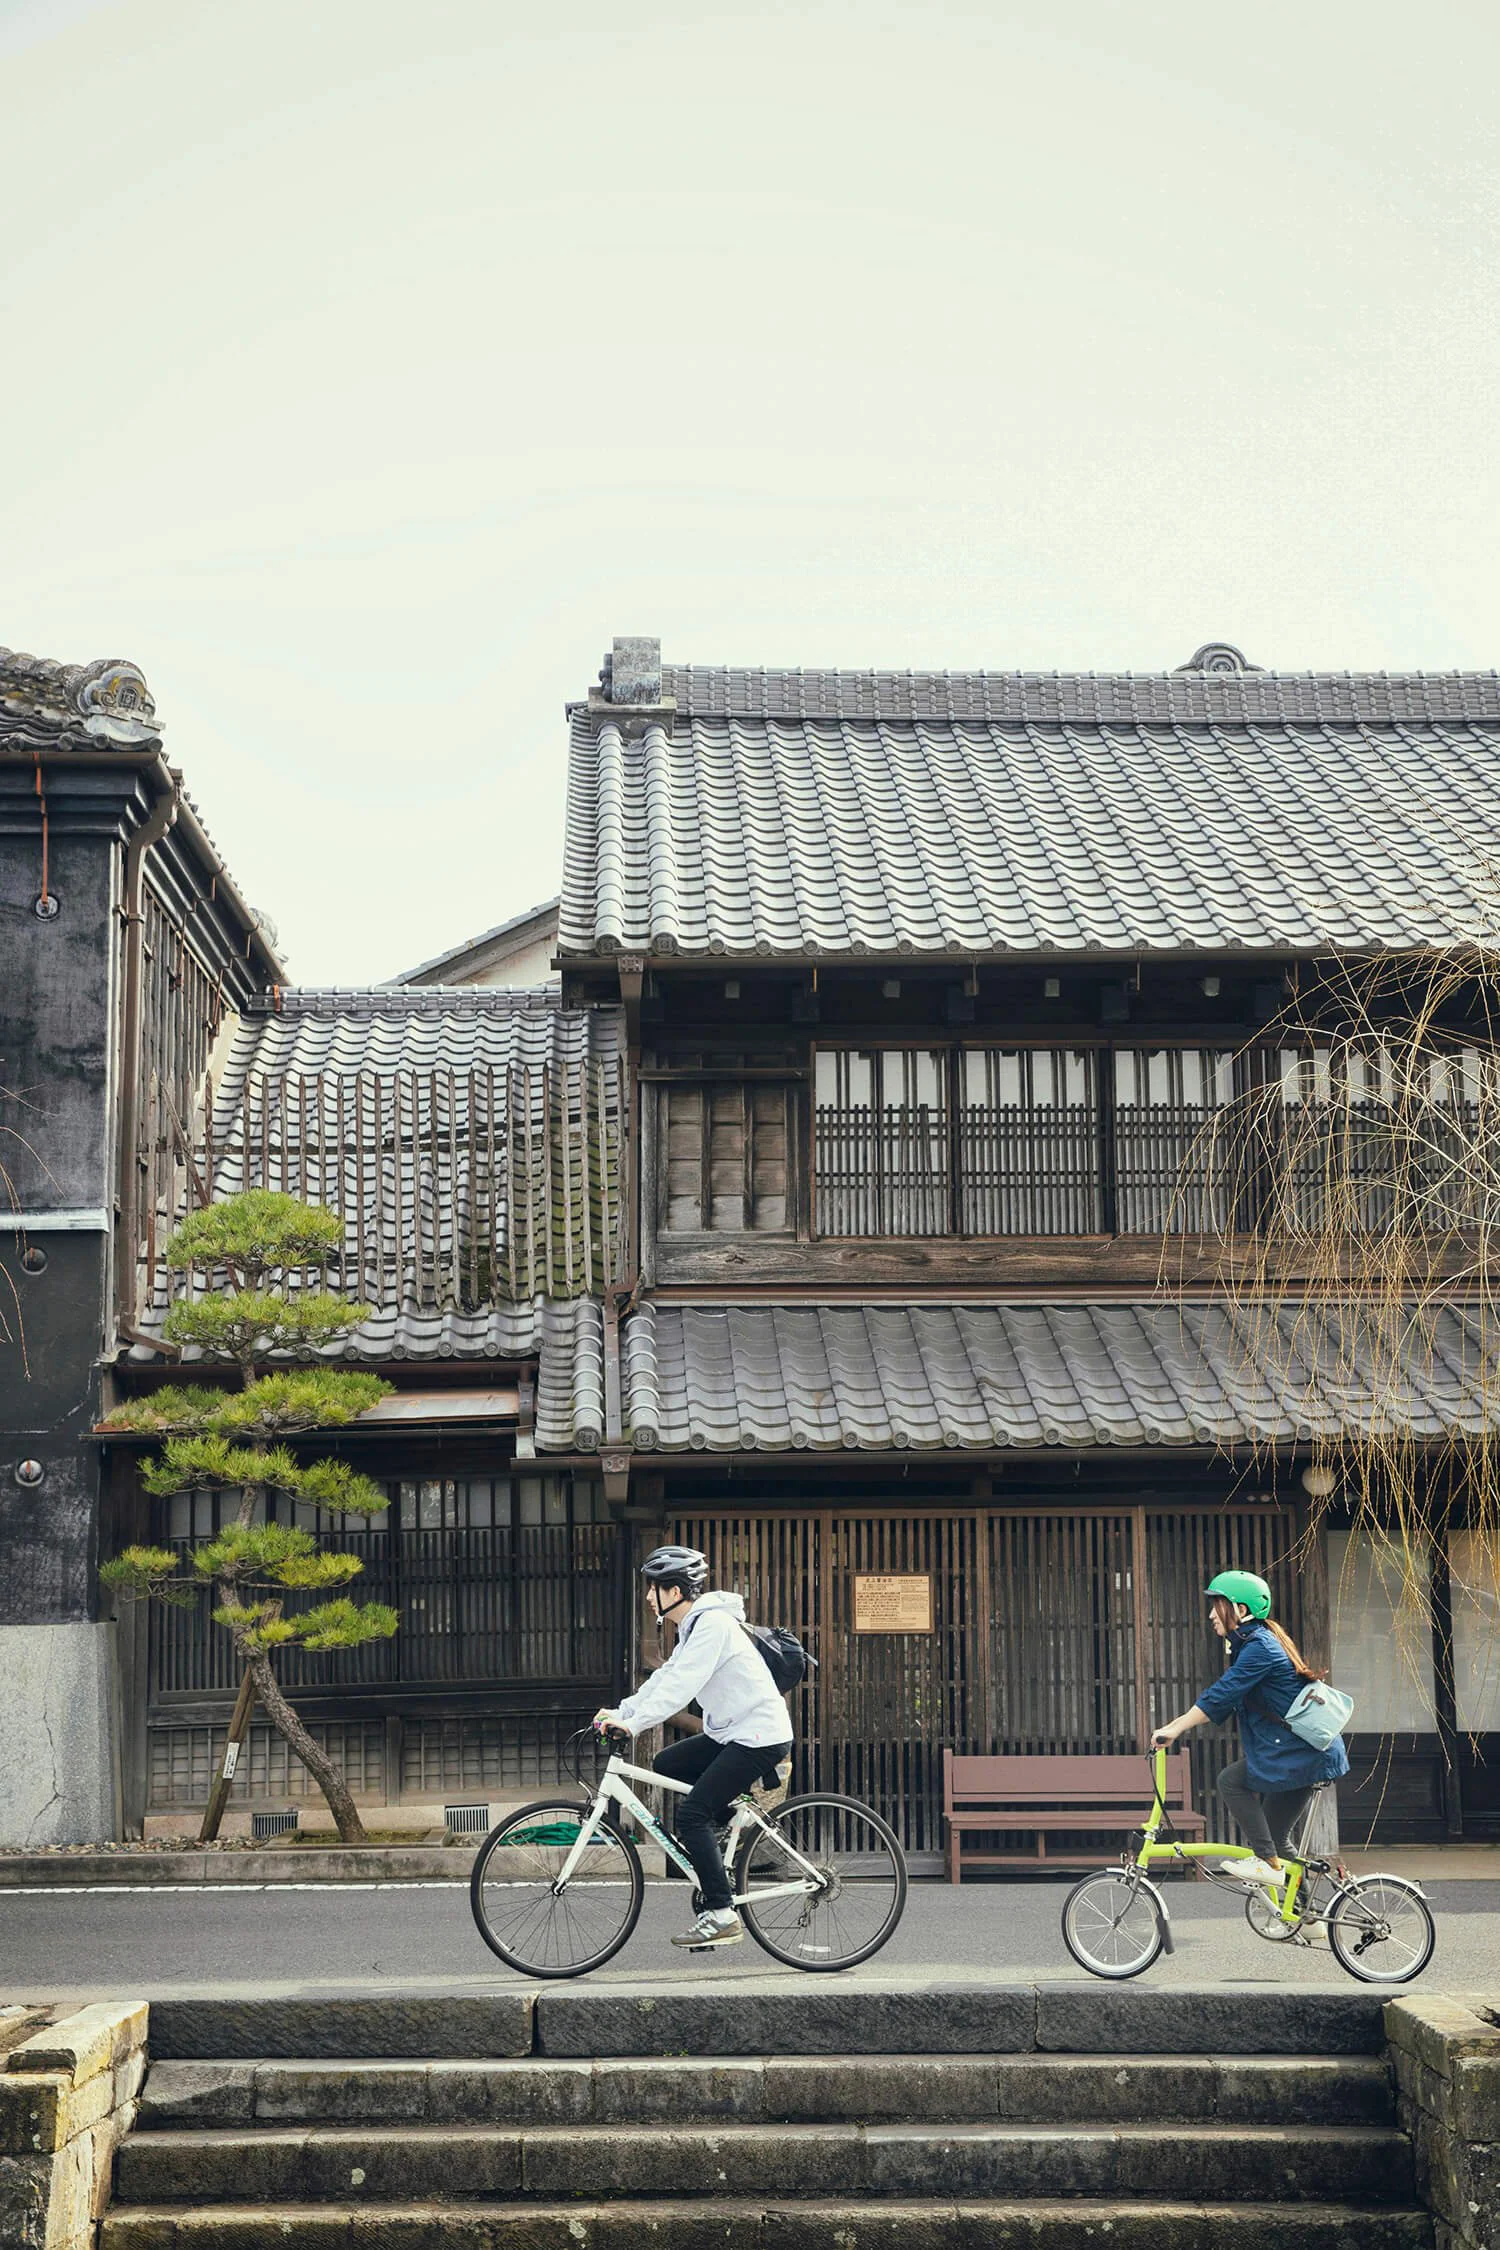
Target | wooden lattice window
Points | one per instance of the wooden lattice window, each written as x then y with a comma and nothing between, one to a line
1176,1169
881,1159
1029,1151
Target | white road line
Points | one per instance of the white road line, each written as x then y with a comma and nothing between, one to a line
211,1890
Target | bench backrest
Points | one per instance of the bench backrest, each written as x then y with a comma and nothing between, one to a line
1061,1780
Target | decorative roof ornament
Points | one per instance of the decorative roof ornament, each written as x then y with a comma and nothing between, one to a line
108,701
1219,656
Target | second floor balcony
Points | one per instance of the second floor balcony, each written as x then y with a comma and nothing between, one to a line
1150,1141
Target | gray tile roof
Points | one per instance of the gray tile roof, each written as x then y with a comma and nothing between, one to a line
1237,694
449,1128
387,1029
987,813
781,1378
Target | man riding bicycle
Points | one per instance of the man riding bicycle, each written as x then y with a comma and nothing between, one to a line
746,1738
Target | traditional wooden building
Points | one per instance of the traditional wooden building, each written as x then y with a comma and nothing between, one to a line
932,984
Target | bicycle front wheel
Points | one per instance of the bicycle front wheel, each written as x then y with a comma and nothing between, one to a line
521,1914
858,1897
1380,1929
1111,1924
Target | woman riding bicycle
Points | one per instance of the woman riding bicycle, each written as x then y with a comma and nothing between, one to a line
1270,1787
746,1734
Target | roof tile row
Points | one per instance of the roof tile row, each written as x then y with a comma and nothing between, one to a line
784,1378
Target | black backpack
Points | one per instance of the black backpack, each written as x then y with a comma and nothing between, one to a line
783,1655
785,1658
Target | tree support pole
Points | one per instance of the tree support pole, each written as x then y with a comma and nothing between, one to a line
239,1727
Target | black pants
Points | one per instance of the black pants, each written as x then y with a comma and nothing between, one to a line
1267,1818
719,1772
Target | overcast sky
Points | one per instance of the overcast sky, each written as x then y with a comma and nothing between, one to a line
368,366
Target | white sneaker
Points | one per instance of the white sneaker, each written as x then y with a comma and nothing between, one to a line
1252,1871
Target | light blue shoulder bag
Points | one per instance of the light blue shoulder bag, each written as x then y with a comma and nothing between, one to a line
1319,1714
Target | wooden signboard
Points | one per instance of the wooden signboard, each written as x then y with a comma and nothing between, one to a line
893,1605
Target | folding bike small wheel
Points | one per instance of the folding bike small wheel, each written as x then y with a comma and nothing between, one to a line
1111,1924
1265,1917
1380,1929
522,1915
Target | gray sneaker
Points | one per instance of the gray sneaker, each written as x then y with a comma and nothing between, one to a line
722,1927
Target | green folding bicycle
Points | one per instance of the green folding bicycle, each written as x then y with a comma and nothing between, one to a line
1115,1923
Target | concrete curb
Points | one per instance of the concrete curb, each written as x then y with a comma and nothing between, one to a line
349,1863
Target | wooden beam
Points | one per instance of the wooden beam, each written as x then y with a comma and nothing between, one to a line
631,968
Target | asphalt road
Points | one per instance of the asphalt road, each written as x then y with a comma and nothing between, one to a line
73,1944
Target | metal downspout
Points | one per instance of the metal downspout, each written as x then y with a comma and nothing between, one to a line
151,831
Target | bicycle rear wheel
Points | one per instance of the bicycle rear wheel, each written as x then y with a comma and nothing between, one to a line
526,1920
861,1893
1111,1924
1380,1929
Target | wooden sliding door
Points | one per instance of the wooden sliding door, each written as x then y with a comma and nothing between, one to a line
1045,1631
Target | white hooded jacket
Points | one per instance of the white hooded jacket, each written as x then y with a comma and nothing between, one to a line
717,1665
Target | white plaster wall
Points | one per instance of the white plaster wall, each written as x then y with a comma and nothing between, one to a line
529,965
57,1764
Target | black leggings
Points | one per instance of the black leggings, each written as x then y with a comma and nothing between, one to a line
719,1772
1266,1817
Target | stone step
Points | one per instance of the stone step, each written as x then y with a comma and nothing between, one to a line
737,2014
1045,2089
1251,2163
889,2225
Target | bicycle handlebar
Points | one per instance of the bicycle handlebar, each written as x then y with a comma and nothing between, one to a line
601,1739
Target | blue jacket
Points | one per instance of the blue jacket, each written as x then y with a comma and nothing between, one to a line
1260,1683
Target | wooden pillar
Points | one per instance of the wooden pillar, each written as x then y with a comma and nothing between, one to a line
1444,1693
1320,1835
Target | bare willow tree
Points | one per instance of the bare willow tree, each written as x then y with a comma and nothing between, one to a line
1353,1186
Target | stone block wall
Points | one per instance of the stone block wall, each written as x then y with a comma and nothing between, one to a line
57,1778
1446,2056
68,2091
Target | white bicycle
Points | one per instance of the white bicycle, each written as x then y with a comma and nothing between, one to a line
557,1887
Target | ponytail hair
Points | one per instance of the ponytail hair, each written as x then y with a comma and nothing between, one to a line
1303,1669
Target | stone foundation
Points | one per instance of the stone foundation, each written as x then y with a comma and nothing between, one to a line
67,2097
57,1778
1446,2055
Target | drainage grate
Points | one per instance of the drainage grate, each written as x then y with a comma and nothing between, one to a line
467,1820
263,1824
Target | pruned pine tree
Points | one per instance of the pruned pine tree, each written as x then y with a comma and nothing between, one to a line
251,1246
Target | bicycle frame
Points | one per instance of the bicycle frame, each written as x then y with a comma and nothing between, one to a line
614,1789
1151,1853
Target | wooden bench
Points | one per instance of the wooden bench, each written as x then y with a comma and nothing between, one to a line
1072,1794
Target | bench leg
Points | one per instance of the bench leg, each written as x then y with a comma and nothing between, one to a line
953,1843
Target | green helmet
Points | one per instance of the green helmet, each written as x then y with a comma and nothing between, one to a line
1243,1586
